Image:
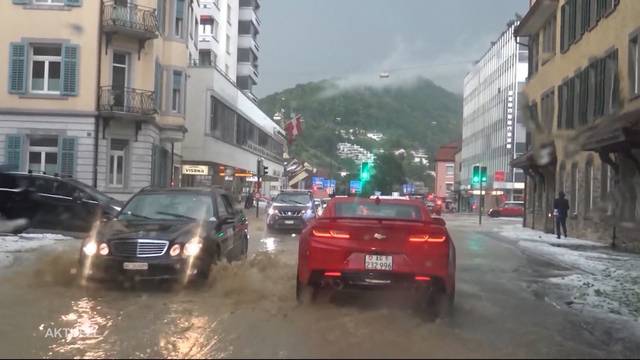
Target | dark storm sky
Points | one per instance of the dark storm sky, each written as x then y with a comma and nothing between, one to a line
306,40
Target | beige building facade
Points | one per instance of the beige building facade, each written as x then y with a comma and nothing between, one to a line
581,105
96,90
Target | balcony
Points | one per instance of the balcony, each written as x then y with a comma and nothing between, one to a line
249,14
127,103
248,69
135,21
248,42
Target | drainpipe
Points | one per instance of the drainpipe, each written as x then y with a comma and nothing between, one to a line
96,137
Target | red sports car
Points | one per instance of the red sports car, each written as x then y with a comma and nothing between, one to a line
378,243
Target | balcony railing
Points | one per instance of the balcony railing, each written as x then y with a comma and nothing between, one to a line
134,19
127,101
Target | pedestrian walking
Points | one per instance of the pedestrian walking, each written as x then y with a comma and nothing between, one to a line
561,211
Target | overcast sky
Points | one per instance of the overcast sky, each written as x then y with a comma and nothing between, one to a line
306,40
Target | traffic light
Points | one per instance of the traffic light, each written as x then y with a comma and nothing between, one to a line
475,174
365,171
261,170
479,173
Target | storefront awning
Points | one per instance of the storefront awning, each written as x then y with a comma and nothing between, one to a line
614,134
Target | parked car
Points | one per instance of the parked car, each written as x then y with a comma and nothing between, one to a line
378,244
291,210
508,209
53,203
176,233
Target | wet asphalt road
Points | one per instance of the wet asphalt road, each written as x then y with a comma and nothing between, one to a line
248,309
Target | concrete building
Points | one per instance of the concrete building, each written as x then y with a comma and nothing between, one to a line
445,168
492,132
228,133
582,94
96,89
228,40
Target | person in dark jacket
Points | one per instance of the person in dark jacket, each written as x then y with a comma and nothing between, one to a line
561,211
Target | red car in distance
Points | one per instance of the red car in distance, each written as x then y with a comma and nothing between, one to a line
378,243
508,209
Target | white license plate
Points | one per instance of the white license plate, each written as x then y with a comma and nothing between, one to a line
378,262
135,266
289,222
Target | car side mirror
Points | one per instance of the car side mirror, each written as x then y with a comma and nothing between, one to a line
438,221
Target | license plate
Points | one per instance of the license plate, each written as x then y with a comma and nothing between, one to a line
135,266
378,262
289,222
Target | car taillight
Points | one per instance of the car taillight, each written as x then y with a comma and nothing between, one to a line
427,238
331,234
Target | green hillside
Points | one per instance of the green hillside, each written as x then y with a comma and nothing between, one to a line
419,115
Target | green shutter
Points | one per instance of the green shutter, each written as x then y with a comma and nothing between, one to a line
20,2
180,9
158,85
70,70
160,10
13,151
67,159
17,68
72,2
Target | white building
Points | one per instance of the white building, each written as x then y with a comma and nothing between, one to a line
227,132
492,133
354,152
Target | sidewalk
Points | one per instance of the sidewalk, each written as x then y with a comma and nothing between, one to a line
602,280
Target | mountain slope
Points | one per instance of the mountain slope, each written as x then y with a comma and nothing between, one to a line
419,115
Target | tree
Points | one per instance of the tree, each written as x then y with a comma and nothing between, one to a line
388,175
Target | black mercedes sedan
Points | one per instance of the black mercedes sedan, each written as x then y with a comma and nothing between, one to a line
176,233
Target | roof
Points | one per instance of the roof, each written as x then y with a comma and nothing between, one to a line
448,152
535,18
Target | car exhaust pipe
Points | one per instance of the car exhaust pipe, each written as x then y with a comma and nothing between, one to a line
337,284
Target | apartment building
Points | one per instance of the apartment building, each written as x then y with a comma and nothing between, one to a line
492,132
445,170
228,133
582,94
228,40
96,89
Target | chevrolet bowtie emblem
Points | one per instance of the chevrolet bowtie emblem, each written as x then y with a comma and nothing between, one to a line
379,236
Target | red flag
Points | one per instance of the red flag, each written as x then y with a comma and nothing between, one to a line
297,129
293,128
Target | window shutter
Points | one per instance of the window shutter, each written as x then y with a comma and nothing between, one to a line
17,68
67,153
13,152
70,70
180,9
20,2
158,85
73,2
160,10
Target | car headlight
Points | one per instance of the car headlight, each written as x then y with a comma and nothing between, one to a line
103,249
90,248
271,211
193,246
175,250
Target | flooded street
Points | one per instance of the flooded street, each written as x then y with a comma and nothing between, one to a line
248,309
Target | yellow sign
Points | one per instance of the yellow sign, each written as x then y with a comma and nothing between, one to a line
195,170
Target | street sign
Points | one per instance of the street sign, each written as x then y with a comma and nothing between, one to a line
355,186
317,182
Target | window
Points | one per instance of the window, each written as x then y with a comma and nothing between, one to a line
449,170
229,13
634,60
547,106
204,58
605,181
206,25
549,39
588,189
176,94
573,197
226,69
223,120
228,46
179,20
449,187
222,208
534,49
43,154
117,161
46,67
51,2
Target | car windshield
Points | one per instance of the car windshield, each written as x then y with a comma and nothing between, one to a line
175,206
290,198
378,211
